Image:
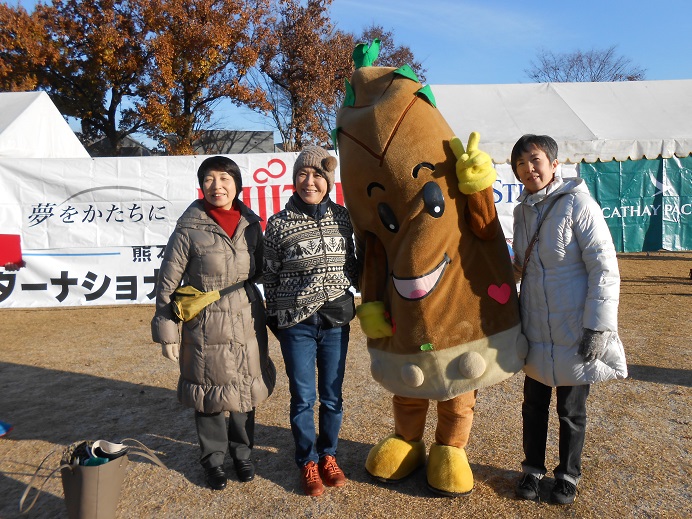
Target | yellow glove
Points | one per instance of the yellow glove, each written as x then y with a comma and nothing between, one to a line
373,320
475,170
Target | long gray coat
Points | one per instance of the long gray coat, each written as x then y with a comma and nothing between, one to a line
572,282
224,359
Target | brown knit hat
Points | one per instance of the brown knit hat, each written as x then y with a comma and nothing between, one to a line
318,158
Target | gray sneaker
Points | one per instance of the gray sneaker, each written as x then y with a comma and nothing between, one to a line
563,493
528,488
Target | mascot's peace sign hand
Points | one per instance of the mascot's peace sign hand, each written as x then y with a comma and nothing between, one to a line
474,167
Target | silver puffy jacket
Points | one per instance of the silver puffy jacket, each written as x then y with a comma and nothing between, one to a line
572,282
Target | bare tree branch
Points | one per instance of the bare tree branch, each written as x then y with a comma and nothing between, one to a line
579,66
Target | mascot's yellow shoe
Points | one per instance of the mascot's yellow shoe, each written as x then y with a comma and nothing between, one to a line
449,472
393,458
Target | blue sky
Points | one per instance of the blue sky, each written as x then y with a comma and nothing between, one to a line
494,41
479,42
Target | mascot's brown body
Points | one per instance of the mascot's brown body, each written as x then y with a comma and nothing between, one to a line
439,305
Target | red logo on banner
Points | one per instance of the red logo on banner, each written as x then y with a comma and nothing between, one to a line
256,176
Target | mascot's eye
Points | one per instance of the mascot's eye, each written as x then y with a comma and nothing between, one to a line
433,199
388,218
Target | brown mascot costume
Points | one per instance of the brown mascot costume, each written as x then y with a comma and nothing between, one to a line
439,303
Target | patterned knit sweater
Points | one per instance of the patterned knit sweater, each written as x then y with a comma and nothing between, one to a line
307,261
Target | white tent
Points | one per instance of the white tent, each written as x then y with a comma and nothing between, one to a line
589,121
32,127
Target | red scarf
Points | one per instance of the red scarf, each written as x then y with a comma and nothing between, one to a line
226,218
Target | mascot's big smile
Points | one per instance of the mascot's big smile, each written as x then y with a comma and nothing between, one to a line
417,288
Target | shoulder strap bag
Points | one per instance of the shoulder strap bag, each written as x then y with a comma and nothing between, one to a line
534,239
187,301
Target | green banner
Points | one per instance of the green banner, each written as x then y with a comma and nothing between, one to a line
647,203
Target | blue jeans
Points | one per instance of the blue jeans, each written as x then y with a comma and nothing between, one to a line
303,346
571,411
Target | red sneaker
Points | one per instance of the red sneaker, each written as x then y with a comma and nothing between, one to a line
331,474
310,480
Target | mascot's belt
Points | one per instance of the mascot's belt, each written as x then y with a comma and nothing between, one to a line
444,374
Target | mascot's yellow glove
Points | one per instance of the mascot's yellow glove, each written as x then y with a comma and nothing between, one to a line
475,170
373,320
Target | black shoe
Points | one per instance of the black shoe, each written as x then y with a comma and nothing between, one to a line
563,493
245,470
215,477
528,488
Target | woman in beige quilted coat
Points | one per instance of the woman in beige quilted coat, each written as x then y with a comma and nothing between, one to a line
223,351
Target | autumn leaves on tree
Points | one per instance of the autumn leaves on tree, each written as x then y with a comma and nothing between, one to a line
160,67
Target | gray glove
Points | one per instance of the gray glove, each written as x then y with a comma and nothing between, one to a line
593,344
171,351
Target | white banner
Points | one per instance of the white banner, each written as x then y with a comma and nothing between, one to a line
92,231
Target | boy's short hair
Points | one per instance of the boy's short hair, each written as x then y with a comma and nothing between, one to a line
544,143
219,163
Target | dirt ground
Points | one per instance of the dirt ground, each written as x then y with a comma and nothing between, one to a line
90,373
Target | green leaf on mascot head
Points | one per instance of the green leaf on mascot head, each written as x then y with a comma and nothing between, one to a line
426,347
335,136
407,72
350,97
364,55
426,93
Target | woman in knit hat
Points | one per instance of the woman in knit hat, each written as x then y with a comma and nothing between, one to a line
309,266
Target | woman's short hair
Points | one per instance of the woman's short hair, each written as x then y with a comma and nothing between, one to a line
219,163
544,143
